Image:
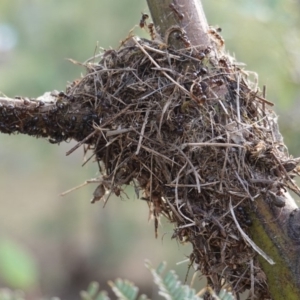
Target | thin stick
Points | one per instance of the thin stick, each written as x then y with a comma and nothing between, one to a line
142,131
167,104
158,66
174,210
223,169
247,239
243,185
92,133
252,279
238,98
80,186
80,143
116,132
182,262
264,100
192,185
187,225
158,154
211,145
264,104
161,52
193,168
222,105
177,198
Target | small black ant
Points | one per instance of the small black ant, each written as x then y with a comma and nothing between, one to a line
219,82
183,37
244,216
176,12
143,20
215,34
200,55
223,62
151,31
10,106
26,101
198,93
202,71
207,50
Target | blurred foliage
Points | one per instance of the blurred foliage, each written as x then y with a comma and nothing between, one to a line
169,287
6,294
72,241
18,267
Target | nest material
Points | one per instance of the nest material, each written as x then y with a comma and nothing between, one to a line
190,131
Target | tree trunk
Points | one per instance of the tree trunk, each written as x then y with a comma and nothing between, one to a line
275,230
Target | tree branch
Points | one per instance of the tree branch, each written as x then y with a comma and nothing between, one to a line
102,98
188,14
53,115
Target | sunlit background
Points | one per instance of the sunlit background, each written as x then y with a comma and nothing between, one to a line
54,246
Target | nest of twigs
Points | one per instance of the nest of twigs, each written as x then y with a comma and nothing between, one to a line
189,129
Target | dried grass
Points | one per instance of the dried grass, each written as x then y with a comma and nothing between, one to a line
190,131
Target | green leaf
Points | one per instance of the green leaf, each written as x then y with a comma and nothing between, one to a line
161,267
170,287
17,267
102,296
84,295
6,294
124,289
93,293
224,295
93,289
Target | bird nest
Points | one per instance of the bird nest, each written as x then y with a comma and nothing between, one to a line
188,129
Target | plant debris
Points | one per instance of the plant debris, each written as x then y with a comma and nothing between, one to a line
187,128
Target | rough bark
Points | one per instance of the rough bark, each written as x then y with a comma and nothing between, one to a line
189,15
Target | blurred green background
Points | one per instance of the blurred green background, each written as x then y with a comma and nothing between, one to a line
54,246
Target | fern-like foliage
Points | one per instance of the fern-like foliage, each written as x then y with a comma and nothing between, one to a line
169,287
125,290
92,293
225,296
172,289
